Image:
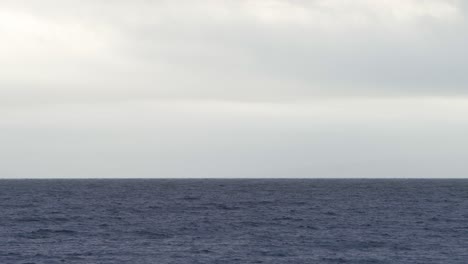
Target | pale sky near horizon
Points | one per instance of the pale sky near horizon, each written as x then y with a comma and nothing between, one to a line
233,88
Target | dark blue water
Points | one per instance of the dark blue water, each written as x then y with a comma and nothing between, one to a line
233,221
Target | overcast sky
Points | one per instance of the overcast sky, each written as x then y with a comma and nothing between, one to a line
241,88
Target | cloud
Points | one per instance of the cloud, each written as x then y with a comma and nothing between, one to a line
233,88
264,50
337,138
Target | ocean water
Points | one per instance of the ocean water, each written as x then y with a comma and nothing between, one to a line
233,221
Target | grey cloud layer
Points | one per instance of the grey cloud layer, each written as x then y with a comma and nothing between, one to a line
233,88
187,139
240,50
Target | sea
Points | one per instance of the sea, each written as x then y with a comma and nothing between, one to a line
159,221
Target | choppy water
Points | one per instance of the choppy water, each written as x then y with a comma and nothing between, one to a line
233,221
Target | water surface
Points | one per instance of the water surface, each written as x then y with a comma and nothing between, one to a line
233,221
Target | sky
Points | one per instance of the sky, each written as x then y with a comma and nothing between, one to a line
233,88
